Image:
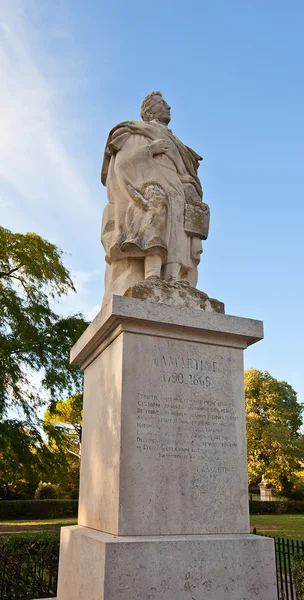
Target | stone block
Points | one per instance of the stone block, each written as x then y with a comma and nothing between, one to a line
215,567
129,310
164,446
174,293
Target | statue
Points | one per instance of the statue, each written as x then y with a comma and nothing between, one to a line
155,220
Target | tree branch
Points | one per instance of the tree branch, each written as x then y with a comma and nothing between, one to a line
20,279
74,454
9,273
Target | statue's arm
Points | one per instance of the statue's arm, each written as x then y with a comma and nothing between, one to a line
135,156
154,147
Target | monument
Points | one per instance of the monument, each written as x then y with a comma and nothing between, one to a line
163,506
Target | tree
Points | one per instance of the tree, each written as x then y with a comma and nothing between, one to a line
19,471
275,444
27,459
32,336
63,423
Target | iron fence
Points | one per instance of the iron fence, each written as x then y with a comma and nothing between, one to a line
29,569
285,550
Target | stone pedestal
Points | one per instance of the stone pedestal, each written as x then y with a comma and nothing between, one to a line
195,567
163,507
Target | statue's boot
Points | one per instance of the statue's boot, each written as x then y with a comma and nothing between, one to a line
153,265
172,272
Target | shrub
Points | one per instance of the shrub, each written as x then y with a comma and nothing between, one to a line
258,507
28,566
38,509
298,575
20,490
46,491
74,495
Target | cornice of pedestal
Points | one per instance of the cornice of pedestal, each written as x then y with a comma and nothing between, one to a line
125,314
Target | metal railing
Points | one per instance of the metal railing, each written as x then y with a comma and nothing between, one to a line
29,571
285,550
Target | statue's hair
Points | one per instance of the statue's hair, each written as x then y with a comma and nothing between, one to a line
146,109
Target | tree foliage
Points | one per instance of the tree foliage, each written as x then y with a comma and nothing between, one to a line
63,426
27,459
275,445
47,491
19,462
32,335
63,423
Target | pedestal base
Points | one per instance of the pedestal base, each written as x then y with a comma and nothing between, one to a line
98,566
163,437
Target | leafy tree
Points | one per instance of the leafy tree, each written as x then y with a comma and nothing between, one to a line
26,459
275,444
63,423
32,336
19,462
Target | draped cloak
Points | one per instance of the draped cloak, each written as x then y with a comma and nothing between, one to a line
147,195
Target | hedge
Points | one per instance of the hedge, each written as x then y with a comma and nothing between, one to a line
258,507
29,566
298,575
56,509
38,509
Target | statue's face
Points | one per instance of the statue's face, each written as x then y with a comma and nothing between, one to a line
162,110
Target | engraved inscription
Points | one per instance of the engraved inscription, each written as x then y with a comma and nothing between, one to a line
186,424
189,370
188,378
178,362
199,426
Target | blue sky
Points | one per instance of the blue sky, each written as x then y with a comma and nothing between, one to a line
233,75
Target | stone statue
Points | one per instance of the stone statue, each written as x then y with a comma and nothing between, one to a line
155,218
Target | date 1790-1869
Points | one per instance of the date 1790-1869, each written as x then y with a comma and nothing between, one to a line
204,381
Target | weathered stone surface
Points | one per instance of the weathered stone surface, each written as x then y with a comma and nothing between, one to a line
121,310
163,448
103,567
155,219
197,219
176,293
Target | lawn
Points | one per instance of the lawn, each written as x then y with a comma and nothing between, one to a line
40,525
288,526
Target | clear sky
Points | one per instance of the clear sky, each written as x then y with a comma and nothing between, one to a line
232,72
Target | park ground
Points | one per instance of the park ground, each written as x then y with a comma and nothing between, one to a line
28,526
287,526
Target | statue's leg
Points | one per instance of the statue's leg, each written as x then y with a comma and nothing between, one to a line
172,271
191,276
153,265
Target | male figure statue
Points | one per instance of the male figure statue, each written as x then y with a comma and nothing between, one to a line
155,219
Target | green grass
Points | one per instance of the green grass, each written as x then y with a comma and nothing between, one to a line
22,526
288,526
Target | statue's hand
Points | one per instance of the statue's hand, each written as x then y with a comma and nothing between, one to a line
159,147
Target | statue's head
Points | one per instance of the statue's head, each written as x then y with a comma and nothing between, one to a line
155,107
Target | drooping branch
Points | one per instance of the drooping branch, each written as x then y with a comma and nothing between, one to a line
74,453
9,273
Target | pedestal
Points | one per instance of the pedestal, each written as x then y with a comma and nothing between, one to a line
195,567
163,507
